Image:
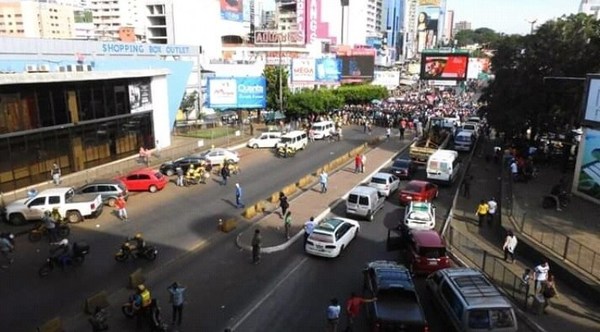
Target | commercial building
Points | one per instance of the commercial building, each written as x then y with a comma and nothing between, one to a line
590,7
110,16
448,32
392,27
462,25
86,109
36,19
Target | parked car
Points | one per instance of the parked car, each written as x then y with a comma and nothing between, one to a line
426,252
145,179
417,190
265,140
419,215
170,167
109,190
385,183
217,156
398,307
331,237
403,168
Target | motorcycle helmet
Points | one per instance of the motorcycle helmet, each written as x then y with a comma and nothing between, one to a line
191,166
141,287
138,236
63,242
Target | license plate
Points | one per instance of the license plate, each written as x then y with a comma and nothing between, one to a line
432,263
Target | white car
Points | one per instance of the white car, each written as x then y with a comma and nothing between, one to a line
385,183
217,156
265,140
331,236
419,215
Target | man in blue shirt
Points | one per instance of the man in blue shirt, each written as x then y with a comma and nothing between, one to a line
176,291
238,196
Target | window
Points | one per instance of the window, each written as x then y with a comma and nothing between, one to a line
90,189
363,200
453,301
54,200
479,319
38,201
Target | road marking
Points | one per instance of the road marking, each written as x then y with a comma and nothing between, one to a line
264,298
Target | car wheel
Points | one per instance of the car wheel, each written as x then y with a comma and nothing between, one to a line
153,189
356,233
255,146
16,219
111,202
170,172
74,217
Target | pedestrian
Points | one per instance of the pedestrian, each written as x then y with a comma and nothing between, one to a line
179,171
176,292
309,226
333,315
121,207
287,222
510,243
353,309
549,291
55,173
466,184
323,177
514,170
50,226
540,275
402,128
256,243
525,278
363,161
388,133
224,175
283,204
493,206
7,246
238,196
482,211
357,163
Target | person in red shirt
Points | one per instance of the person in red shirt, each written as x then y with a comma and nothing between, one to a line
357,163
121,207
353,306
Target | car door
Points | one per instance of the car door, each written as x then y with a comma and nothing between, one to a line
343,235
394,183
35,208
133,182
145,181
429,192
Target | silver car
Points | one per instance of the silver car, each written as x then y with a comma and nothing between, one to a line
109,190
385,183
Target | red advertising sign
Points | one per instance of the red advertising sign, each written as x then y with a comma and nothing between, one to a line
444,66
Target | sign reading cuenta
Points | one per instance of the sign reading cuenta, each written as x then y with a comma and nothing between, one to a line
146,49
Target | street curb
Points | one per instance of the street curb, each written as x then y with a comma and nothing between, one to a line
285,245
528,321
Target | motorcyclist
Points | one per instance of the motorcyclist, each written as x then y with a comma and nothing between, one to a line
198,172
558,192
56,215
139,244
62,253
142,298
50,225
189,175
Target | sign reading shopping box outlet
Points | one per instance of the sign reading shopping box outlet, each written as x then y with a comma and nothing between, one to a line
237,92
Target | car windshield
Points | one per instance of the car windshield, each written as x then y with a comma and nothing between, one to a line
400,164
435,252
378,180
419,216
321,237
286,139
158,175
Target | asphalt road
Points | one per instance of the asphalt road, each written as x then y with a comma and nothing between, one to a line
288,291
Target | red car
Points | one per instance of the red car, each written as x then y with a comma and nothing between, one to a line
145,179
416,190
426,252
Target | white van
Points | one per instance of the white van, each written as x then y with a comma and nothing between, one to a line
296,139
443,166
323,129
470,301
364,202
464,140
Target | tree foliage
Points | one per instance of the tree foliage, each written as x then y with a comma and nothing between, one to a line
534,86
361,94
272,75
478,36
313,101
189,103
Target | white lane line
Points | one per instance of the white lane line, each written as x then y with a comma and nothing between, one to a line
264,298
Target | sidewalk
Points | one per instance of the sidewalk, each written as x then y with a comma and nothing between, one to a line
311,203
572,310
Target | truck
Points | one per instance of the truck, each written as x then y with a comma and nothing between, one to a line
397,307
74,207
436,136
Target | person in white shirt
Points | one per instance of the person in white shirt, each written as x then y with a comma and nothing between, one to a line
514,170
493,206
510,243
540,275
309,226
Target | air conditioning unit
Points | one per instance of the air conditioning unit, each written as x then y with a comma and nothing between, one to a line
43,68
31,68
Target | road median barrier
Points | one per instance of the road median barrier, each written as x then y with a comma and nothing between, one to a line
136,278
230,224
53,325
98,300
306,181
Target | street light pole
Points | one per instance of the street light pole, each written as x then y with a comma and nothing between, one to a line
344,4
280,77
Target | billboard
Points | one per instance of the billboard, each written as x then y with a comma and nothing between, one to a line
303,70
316,70
429,3
427,27
300,19
591,111
357,67
140,96
232,10
270,37
389,79
444,66
236,92
588,181
328,70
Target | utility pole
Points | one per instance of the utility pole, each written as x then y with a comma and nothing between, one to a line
280,76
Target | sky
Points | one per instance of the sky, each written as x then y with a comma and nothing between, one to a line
510,16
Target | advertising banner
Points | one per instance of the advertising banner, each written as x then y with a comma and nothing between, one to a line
328,70
444,66
237,92
357,67
274,37
591,112
429,3
389,79
303,70
140,96
232,10
300,19
427,27
588,182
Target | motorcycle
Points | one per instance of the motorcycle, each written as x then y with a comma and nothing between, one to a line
130,309
99,320
80,250
549,201
126,251
283,152
36,234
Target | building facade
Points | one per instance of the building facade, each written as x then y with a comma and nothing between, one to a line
448,33
590,7
36,19
462,25
109,16
392,27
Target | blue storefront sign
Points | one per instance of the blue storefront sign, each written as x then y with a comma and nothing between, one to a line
237,92
328,70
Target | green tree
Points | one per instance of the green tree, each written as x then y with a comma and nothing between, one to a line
361,94
482,36
189,103
272,75
313,101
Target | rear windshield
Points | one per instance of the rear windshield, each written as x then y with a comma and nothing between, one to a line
435,252
378,180
414,188
462,138
400,164
491,318
353,198
286,139
320,237
469,127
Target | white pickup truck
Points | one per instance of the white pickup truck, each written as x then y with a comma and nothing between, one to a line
75,207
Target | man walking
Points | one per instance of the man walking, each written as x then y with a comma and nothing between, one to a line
55,173
6,247
357,163
466,184
50,226
179,171
333,315
323,177
353,306
540,275
176,291
256,243
510,243
121,207
493,206
224,174
238,196
309,226
363,161
287,223
283,203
